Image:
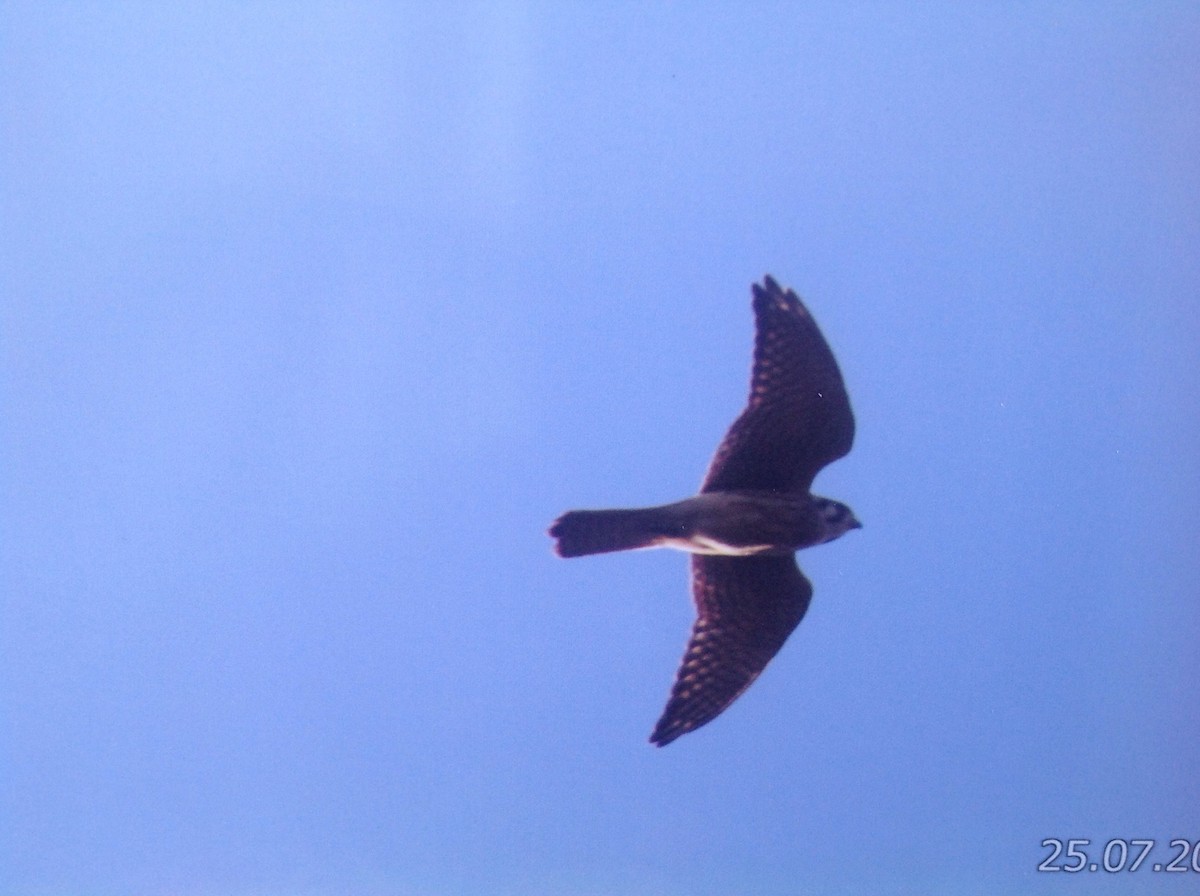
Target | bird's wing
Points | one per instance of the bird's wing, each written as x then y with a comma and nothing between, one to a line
798,418
746,608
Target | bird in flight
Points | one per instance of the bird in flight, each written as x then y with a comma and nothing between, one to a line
754,511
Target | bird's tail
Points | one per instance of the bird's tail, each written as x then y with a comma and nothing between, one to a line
582,532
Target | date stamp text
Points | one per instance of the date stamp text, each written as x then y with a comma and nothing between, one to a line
1178,856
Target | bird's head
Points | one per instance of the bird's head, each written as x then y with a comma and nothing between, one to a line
837,517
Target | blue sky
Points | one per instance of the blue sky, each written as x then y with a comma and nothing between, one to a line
313,317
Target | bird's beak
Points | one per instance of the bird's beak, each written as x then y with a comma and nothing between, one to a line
856,524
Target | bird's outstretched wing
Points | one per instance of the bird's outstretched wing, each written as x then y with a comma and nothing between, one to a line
798,418
746,608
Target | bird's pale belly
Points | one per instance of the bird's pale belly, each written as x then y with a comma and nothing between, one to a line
702,544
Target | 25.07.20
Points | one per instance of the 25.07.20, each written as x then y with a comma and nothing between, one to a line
1119,855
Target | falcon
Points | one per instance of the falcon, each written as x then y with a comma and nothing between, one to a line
753,512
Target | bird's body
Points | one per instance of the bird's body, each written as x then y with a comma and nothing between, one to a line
727,523
753,512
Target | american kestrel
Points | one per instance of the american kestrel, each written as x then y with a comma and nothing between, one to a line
754,511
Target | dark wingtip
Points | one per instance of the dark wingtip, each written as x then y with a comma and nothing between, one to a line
665,732
766,289
770,295
661,738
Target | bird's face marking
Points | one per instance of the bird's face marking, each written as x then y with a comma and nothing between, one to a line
837,517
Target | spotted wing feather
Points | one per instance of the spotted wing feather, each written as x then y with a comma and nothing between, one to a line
798,418
746,608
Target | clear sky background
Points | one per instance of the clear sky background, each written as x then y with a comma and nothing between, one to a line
314,316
